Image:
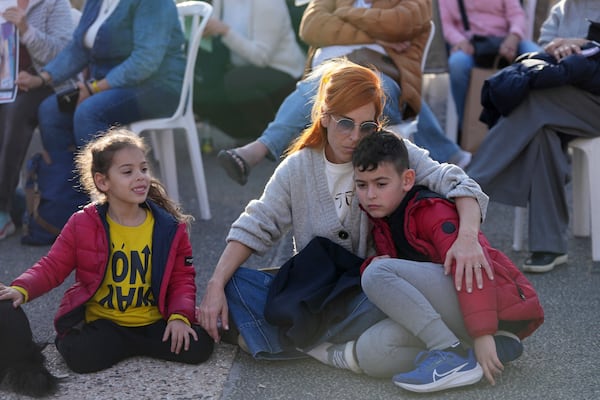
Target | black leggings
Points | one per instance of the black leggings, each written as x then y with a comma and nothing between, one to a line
102,343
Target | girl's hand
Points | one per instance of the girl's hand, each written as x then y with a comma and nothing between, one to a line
180,333
9,293
18,17
485,352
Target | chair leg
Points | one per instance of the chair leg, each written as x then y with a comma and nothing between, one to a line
451,117
581,193
593,192
198,169
168,166
518,228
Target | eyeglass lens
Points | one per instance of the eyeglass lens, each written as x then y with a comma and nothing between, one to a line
347,125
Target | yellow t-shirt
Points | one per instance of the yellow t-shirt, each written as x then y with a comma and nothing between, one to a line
125,295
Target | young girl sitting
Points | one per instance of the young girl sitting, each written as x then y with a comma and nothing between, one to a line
134,291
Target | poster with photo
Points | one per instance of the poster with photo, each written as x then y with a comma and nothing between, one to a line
9,57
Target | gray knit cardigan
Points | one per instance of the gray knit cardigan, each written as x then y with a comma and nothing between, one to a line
297,197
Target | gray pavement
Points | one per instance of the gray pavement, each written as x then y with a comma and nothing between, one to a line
559,362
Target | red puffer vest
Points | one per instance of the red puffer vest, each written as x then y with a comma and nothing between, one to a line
430,228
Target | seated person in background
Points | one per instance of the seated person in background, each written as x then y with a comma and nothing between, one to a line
44,29
397,31
413,223
133,52
254,64
535,167
504,18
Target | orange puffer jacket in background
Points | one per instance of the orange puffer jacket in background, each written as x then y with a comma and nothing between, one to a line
337,22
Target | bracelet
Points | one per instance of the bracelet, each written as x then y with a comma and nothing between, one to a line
89,89
95,86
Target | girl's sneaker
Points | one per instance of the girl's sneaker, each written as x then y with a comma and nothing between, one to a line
7,227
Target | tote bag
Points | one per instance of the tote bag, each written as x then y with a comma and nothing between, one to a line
473,130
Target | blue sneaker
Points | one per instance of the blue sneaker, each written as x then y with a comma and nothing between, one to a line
439,370
508,346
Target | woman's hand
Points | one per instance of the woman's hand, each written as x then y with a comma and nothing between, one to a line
397,47
180,333
9,293
215,27
563,47
26,81
18,17
485,352
84,92
212,309
509,47
465,46
466,250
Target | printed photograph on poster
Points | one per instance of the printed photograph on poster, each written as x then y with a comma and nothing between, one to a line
9,56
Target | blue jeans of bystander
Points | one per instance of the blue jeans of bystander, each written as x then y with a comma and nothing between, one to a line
97,113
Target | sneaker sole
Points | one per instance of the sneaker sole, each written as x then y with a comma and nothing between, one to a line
548,267
456,380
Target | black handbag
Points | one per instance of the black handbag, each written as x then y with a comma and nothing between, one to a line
67,97
486,48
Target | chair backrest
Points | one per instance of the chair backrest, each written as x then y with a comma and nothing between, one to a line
428,46
194,16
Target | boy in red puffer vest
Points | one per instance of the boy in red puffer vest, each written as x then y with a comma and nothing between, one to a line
415,223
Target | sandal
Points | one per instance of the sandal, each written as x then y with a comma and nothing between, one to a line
236,167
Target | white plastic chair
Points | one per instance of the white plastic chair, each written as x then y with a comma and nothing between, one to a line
407,129
586,195
162,129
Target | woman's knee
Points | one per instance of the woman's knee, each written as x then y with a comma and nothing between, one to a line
460,63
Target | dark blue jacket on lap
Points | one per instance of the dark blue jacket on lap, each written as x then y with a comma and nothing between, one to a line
504,91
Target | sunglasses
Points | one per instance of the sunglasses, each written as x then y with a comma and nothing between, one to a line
346,126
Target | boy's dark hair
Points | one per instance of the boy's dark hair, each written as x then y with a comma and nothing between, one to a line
381,146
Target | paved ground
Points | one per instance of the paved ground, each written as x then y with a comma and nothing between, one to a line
560,360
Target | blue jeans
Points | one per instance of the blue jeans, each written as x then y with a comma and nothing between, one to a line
97,113
246,294
432,137
294,113
459,67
